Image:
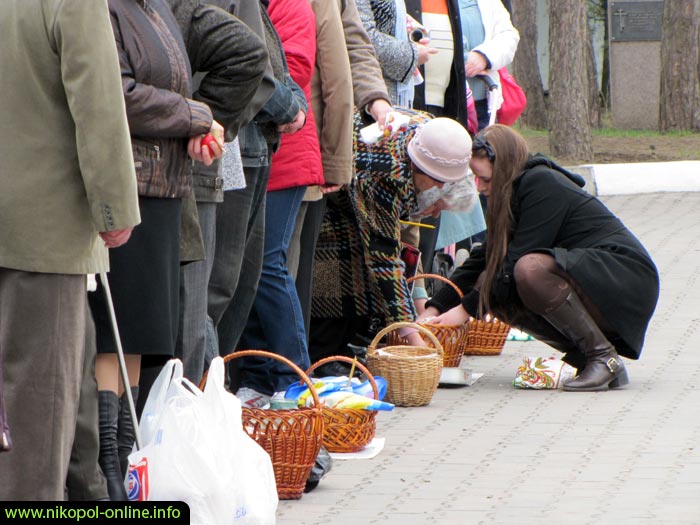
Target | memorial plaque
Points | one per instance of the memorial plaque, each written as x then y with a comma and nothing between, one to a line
635,21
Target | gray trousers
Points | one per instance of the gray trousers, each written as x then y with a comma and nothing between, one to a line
85,481
240,232
42,339
194,278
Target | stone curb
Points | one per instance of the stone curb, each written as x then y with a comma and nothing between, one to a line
641,177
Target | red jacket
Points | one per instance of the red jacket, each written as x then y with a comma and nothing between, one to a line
298,160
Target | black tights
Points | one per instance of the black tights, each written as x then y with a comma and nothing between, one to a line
542,286
540,282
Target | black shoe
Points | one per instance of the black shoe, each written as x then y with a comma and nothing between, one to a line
322,466
601,373
358,351
311,485
333,369
338,369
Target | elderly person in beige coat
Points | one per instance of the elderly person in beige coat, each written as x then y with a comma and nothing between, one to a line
347,73
67,193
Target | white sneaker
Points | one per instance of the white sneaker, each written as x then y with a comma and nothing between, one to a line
252,398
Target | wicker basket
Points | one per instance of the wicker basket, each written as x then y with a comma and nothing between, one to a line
486,337
293,438
348,429
412,373
453,338
477,337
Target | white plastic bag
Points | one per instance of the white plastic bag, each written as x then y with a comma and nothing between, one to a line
395,122
195,450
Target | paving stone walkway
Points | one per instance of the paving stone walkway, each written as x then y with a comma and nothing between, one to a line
491,454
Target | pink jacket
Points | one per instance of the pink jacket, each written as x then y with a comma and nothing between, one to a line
298,160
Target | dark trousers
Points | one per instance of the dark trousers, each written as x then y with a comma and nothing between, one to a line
191,342
85,481
42,340
426,245
330,336
240,228
301,253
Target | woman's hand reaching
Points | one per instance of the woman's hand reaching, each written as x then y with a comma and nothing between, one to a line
414,339
428,313
456,316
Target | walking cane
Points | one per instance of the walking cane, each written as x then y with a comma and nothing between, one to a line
120,357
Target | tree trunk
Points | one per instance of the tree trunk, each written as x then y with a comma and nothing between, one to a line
680,66
525,66
570,130
605,81
594,116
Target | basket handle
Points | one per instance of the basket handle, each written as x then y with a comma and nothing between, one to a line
263,353
372,348
359,365
438,278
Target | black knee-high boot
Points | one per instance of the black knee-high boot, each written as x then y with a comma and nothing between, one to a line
603,369
108,458
125,430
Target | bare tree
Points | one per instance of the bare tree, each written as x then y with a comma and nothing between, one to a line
596,13
605,70
570,130
680,66
525,66
594,115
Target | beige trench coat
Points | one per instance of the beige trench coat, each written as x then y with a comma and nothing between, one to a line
66,165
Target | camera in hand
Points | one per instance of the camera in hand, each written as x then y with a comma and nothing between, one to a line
419,34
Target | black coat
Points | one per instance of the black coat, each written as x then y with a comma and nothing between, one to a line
553,214
229,52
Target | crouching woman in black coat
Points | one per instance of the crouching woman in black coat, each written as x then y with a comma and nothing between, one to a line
556,264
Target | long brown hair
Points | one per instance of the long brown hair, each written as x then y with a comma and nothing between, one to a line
511,154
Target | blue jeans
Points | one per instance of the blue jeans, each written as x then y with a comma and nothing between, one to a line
276,322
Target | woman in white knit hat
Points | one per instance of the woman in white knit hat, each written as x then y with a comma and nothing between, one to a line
358,271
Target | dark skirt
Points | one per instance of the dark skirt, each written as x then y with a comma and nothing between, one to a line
144,278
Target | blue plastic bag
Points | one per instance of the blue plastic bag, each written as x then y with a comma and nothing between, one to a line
327,387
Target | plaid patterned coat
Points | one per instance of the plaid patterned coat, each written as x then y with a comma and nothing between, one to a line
357,266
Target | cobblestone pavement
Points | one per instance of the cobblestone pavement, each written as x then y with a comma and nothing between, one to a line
491,454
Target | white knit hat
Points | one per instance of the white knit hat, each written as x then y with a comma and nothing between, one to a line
441,148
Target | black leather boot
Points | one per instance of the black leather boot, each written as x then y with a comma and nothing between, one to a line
125,430
604,368
576,359
108,458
